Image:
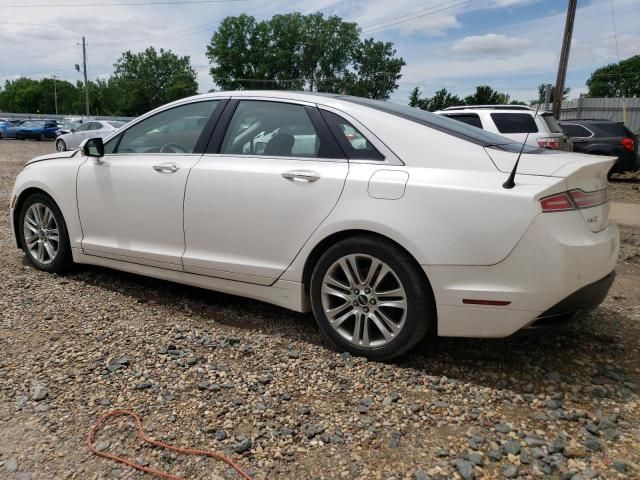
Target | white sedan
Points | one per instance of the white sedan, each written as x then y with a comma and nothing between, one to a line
386,221
84,131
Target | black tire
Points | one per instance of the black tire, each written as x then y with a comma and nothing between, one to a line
63,259
42,137
59,143
421,312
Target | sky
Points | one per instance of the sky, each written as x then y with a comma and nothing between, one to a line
512,45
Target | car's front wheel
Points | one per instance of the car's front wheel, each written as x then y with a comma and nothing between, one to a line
42,137
60,145
43,234
370,298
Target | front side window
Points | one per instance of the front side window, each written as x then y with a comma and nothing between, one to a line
514,122
271,129
176,130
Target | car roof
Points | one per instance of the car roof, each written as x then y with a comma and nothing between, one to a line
587,120
488,107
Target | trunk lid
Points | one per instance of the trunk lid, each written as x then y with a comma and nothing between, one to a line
582,174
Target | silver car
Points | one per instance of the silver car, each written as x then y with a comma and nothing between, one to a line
90,129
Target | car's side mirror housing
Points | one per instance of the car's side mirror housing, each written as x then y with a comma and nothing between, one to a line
92,147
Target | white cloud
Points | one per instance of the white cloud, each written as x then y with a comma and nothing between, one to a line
490,45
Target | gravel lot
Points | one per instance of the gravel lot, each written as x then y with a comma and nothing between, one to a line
214,371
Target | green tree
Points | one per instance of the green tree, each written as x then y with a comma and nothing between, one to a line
616,79
542,91
297,52
485,95
146,80
440,100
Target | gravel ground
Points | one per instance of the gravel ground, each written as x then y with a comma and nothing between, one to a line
214,371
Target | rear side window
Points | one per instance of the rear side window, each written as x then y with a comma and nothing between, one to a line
355,145
574,130
468,118
613,129
514,122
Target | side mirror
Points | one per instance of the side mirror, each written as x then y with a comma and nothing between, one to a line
92,147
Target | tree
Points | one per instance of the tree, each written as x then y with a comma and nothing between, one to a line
443,99
616,79
542,92
297,52
26,95
143,81
414,97
485,95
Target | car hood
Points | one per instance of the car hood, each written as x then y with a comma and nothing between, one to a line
549,163
53,156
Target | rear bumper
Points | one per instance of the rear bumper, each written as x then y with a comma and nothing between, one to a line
577,304
559,266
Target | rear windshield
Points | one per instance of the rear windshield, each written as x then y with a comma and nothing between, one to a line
441,123
613,129
514,122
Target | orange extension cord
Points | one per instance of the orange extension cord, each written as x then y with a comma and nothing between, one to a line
146,438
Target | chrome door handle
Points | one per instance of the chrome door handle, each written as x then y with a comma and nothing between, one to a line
166,168
301,175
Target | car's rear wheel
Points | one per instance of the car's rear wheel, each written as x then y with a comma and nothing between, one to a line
370,298
42,137
43,234
60,145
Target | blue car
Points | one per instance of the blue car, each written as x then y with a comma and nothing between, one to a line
8,128
38,129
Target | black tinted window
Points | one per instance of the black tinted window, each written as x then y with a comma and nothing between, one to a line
514,122
574,130
438,122
613,129
354,144
468,118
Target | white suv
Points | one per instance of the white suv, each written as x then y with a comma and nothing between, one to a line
515,122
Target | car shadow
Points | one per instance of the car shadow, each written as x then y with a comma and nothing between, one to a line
569,355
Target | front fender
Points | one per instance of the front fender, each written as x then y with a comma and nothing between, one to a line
57,178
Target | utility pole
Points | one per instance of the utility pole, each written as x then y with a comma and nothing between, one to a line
86,83
547,97
564,57
55,93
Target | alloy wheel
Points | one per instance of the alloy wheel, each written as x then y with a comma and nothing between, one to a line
60,146
41,234
364,300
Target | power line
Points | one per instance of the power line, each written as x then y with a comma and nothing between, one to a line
422,9
121,4
433,12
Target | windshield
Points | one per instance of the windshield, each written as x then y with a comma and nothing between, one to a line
33,124
442,123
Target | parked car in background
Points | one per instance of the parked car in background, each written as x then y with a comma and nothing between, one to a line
604,137
8,128
37,129
69,124
514,122
377,228
90,129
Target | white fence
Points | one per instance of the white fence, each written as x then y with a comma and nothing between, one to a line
604,108
39,116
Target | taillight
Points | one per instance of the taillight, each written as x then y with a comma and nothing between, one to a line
627,144
549,142
573,200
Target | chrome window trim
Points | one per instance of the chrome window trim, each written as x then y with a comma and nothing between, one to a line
577,125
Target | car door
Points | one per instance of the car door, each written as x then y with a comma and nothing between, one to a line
131,200
78,135
267,182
